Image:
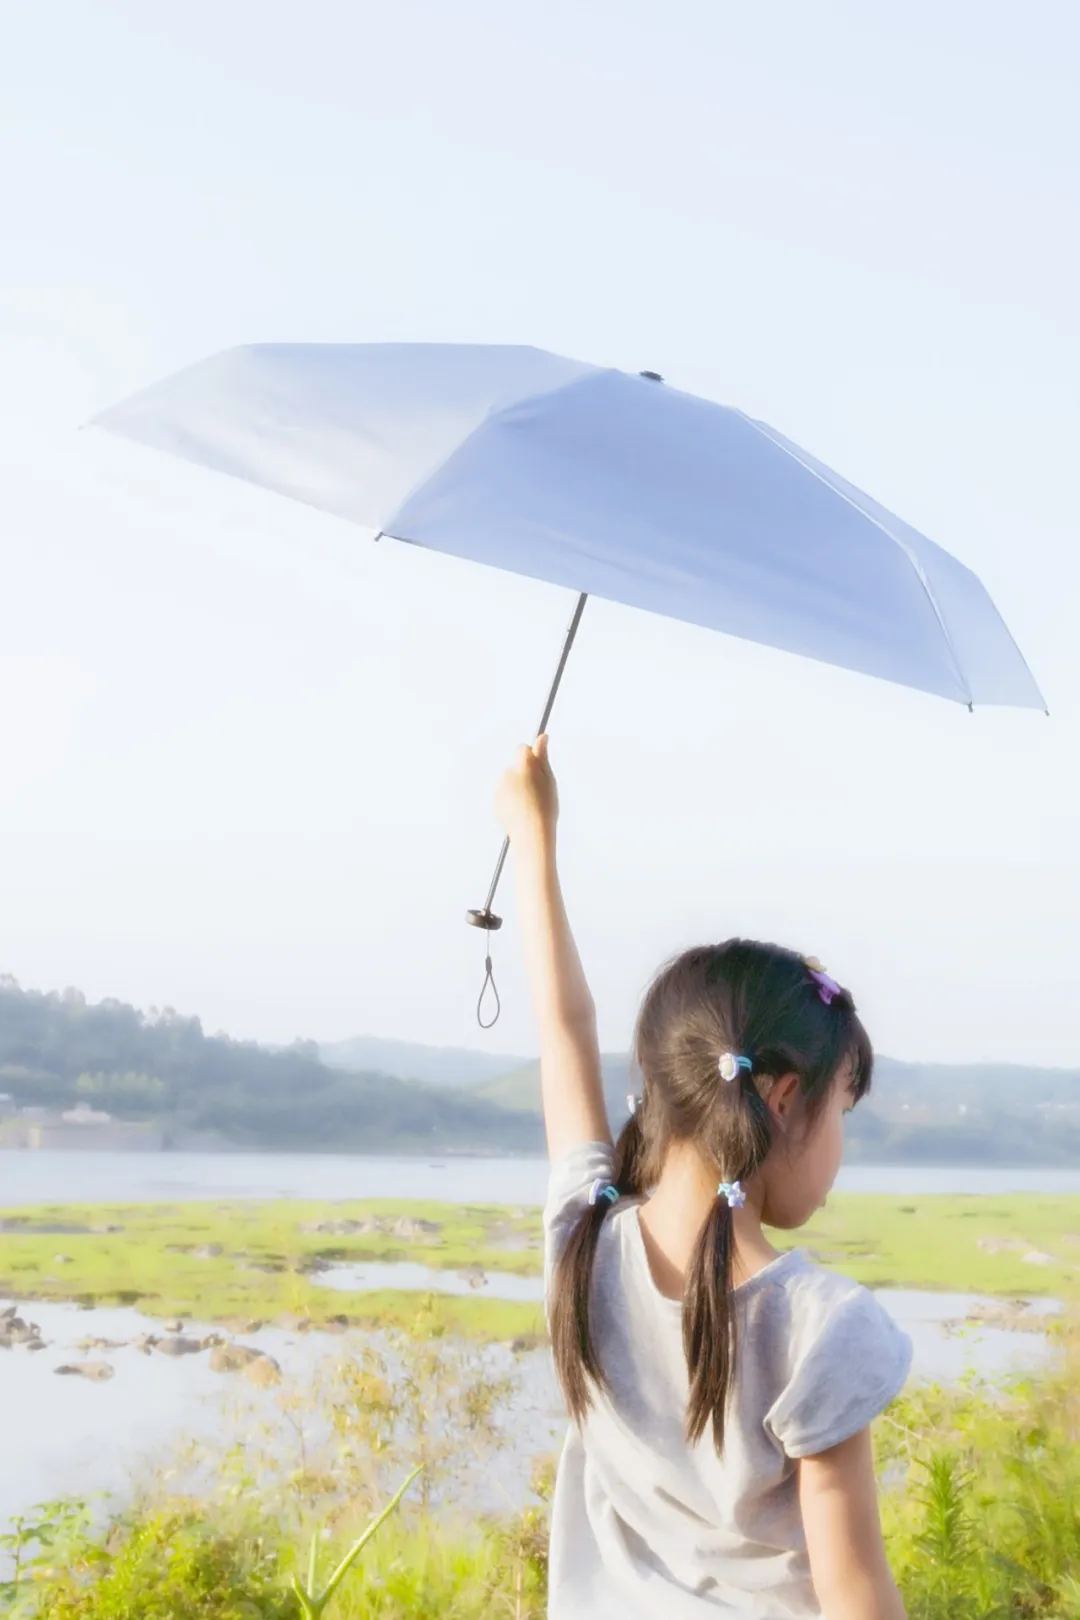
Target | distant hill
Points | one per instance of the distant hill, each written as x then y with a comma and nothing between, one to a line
437,1065
58,1050
519,1090
916,1112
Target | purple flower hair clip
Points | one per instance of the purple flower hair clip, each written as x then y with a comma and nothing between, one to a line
827,988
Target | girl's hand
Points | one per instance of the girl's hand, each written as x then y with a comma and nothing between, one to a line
527,799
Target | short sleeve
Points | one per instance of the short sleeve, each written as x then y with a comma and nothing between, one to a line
568,1192
852,1364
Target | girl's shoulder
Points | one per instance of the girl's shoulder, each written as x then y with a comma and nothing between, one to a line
844,1357
572,1178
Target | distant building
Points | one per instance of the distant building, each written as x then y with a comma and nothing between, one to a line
78,1129
83,1114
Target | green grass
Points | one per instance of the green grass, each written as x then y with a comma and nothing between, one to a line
151,1261
933,1242
981,1511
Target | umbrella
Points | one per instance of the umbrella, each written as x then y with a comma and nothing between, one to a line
610,483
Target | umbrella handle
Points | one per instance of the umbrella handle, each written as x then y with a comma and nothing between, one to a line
483,917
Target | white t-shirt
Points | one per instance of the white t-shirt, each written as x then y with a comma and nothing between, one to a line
646,1526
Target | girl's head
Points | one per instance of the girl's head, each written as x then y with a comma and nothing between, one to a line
775,1128
779,1120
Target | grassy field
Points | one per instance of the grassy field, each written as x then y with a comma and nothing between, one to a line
222,1261
979,1507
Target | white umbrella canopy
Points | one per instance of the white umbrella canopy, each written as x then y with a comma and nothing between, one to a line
609,483
612,484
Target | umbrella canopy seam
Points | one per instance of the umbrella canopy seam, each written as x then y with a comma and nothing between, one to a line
917,568
491,415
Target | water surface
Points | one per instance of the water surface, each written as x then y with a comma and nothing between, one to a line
369,1275
90,1178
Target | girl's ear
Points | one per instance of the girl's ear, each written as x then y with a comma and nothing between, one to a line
781,1099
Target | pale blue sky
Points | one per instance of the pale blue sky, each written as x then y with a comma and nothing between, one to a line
248,755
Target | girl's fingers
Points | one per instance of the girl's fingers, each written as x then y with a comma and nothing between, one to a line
540,748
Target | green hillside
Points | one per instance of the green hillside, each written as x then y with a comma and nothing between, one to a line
916,1112
59,1050
436,1065
519,1091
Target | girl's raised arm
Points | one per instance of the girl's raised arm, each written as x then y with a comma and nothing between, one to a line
527,804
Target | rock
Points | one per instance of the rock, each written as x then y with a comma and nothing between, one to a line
100,1344
257,1367
145,1342
36,1344
1036,1257
7,1312
475,1276
262,1372
96,1371
294,1324
530,1341
19,1332
346,1228
408,1226
61,1260
334,1324
213,1341
310,1264
1011,1316
242,1324
177,1346
233,1357
173,1327
25,1228
209,1251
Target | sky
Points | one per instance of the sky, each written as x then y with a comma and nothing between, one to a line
248,755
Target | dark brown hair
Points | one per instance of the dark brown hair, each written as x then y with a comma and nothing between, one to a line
741,997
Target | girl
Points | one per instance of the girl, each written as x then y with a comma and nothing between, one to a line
721,1391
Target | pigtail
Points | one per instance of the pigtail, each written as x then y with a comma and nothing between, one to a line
710,1339
710,1328
577,1365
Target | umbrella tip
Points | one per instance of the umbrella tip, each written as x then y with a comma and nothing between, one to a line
653,376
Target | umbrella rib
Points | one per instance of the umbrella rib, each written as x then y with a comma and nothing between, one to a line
916,565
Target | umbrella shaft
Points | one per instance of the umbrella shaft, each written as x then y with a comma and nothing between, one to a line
571,632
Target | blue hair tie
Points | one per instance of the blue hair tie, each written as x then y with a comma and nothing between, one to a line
730,1064
603,1189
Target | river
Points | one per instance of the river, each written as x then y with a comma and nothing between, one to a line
156,1178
